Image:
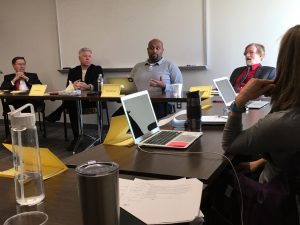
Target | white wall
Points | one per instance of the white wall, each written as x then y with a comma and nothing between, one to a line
28,28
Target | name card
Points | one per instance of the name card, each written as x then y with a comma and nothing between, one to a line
37,90
111,90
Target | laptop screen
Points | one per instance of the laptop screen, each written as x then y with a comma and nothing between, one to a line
127,84
225,89
140,115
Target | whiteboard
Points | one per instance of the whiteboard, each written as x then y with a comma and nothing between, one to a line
118,31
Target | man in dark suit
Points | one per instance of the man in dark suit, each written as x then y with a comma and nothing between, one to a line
19,81
254,54
83,77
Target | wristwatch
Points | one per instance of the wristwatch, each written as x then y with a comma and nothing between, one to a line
235,109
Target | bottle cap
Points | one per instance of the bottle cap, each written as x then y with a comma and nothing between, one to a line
21,120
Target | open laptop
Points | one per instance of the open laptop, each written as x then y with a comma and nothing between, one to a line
144,126
228,94
127,84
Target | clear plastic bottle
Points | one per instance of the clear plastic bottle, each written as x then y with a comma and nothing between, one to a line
29,185
100,82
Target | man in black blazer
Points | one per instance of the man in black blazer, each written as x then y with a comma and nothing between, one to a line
254,54
83,77
20,81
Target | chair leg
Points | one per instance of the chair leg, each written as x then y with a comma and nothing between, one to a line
65,126
40,124
44,125
107,117
6,125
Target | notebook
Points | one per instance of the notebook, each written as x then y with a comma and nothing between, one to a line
228,94
127,84
144,126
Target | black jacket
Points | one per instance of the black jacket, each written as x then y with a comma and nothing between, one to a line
262,72
91,75
7,85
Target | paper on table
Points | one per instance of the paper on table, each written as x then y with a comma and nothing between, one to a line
214,119
163,201
51,165
70,87
124,185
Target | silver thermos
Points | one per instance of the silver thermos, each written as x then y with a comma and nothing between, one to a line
98,184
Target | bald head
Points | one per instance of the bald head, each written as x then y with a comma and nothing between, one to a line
155,50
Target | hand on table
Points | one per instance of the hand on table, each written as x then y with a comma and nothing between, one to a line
79,85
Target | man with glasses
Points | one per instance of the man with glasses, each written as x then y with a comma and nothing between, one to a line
20,81
254,54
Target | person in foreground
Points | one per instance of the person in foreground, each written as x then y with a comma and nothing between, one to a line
277,135
254,54
156,74
83,77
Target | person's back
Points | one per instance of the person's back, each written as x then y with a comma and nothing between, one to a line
276,135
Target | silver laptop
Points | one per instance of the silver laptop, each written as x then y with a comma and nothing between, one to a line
144,126
127,84
228,94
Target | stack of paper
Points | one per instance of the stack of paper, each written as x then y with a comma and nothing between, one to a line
161,201
214,119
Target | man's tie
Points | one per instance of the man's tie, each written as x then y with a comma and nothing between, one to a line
17,84
244,77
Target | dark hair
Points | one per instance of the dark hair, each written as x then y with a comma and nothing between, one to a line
260,49
286,93
14,60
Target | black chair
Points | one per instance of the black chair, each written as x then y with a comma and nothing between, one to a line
86,111
40,110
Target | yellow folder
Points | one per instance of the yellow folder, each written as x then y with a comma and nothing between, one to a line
117,133
37,89
111,90
51,165
205,92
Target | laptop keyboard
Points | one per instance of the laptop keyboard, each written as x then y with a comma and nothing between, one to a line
162,138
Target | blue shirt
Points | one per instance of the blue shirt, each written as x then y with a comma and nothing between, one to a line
144,71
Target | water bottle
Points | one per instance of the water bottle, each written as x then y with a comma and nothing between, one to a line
100,82
29,187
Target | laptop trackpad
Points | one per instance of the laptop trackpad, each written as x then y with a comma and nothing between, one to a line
188,137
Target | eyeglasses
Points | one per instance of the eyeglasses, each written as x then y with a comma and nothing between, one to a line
250,52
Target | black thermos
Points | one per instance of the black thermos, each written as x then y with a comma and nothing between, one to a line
193,111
